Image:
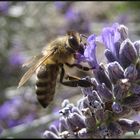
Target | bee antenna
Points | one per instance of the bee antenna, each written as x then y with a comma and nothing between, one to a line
82,35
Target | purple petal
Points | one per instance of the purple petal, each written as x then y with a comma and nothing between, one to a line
90,51
109,37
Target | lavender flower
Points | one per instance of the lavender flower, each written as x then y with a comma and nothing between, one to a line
16,58
113,95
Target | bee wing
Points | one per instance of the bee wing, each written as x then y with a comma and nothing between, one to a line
32,61
32,69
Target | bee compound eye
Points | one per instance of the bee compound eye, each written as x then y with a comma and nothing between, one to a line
73,42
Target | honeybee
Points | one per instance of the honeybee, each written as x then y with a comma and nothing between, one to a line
54,56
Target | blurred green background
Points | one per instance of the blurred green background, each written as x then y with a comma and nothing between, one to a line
25,28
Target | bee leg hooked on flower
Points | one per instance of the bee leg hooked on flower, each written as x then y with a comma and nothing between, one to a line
73,80
79,66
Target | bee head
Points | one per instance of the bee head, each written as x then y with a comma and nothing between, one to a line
75,41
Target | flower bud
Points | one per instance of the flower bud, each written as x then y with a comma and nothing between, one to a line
76,110
115,71
50,135
132,101
83,103
64,103
138,68
64,135
95,101
86,91
104,92
62,124
116,107
123,32
128,53
65,111
72,128
110,57
54,129
102,77
100,115
103,131
135,89
74,122
115,130
84,134
89,119
131,72
137,46
118,92
117,49
121,89
129,125
78,120
126,112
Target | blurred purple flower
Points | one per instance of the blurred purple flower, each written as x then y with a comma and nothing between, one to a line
1,129
28,118
9,113
16,58
4,110
14,112
4,6
71,15
59,4
90,51
123,18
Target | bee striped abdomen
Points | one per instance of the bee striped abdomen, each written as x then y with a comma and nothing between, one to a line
46,82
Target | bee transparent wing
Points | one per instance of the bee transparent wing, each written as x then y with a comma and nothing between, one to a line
32,61
32,69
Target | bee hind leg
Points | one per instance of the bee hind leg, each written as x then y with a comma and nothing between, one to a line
73,80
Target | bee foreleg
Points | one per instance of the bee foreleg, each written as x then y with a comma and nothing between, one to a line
75,82
79,66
